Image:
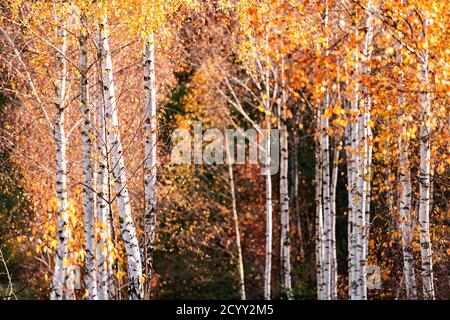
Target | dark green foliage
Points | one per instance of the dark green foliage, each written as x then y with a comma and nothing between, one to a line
14,208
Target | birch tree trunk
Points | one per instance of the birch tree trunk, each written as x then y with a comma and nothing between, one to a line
268,196
135,285
367,151
110,240
61,261
424,172
294,197
364,163
319,209
150,160
351,207
268,178
355,199
326,237
334,178
235,220
284,193
405,194
88,168
70,276
325,172
359,157
103,186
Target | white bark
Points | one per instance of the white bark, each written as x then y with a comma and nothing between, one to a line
135,283
355,200
405,195
366,161
150,159
88,169
424,172
61,261
326,207
284,194
103,188
359,157
334,178
240,257
268,196
70,277
268,178
328,250
406,227
110,240
319,209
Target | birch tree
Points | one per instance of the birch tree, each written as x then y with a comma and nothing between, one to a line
135,285
89,193
405,207
359,157
319,208
425,165
103,180
405,190
284,190
240,257
268,194
61,260
150,160
333,187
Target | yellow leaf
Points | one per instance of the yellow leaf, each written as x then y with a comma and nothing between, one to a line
390,51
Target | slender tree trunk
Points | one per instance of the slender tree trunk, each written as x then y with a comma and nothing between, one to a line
327,231
240,257
334,178
284,196
284,193
135,285
356,200
88,168
294,197
352,285
110,240
268,196
319,209
150,160
360,159
61,261
424,173
103,183
364,177
405,194
325,172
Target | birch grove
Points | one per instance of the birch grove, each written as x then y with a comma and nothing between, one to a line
326,177
135,287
